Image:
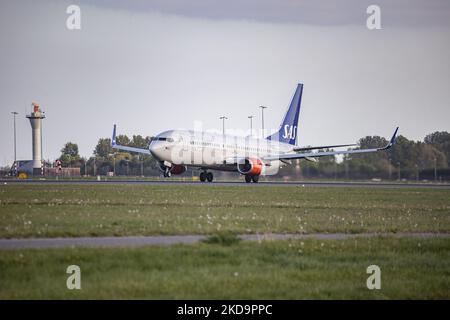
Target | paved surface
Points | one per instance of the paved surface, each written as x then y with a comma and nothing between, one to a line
232,183
37,243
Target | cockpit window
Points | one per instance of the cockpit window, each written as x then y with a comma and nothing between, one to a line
163,139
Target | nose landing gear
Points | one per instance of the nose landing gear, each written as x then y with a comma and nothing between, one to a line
167,172
165,168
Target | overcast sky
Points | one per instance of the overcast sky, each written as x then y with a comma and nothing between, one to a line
150,66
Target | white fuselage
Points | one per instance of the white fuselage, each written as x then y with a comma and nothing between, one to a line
214,151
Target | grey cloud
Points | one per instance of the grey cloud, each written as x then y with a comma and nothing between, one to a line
404,13
149,72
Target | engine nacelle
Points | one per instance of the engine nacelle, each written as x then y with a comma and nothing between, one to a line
250,166
177,169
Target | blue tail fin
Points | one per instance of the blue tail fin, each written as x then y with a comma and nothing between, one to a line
288,129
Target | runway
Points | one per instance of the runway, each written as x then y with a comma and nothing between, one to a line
46,243
231,183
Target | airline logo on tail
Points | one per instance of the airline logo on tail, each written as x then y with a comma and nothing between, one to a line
288,129
290,132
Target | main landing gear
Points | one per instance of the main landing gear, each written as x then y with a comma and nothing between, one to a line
206,176
249,178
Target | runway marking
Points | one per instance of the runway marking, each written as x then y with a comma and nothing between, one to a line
45,243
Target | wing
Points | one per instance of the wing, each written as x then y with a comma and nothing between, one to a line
288,156
125,148
323,147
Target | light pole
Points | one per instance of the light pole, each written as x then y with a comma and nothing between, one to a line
114,162
142,165
435,171
223,118
399,175
262,119
346,169
14,113
251,124
335,169
390,168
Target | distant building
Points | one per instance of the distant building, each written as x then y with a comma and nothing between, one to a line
24,169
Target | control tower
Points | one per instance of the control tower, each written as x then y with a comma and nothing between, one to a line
36,126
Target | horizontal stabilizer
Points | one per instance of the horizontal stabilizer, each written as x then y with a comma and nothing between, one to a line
310,155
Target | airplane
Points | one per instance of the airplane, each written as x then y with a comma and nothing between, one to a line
252,157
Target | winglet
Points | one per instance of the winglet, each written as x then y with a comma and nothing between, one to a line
394,137
392,141
113,140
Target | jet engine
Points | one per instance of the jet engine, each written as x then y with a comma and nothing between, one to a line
250,166
177,169
171,168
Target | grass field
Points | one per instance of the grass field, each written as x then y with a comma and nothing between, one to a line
309,269
104,210
225,268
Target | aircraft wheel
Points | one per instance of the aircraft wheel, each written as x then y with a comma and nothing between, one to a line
255,179
209,176
202,176
248,178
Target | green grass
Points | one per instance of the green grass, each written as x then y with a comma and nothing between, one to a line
222,238
119,210
411,268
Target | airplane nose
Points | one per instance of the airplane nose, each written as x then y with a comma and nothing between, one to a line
156,149
153,149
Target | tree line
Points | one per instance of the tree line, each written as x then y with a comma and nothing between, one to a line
105,159
428,159
413,160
